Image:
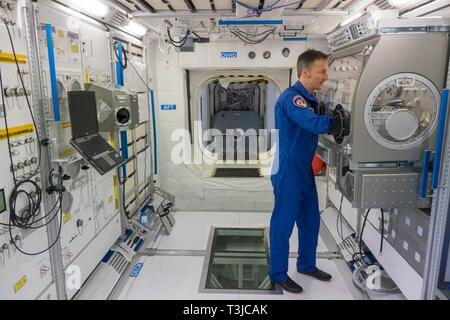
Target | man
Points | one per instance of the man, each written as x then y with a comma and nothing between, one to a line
299,123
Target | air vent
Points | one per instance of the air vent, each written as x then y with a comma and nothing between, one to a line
117,19
383,4
118,262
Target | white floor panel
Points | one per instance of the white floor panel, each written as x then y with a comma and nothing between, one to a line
178,278
171,278
191,229
254,219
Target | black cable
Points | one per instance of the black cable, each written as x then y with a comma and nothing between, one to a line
124,66
177,43
26,98
23,222
125,56
27,218
361,235
6,127
251,41
49,247
254,35
122,183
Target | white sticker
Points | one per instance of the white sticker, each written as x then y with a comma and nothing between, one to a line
405,245
417,256
420,231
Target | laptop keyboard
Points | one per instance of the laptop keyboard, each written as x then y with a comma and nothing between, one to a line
95,146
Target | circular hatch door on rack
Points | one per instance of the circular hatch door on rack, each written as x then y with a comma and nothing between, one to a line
401,111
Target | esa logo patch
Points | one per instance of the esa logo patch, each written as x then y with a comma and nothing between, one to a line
299,101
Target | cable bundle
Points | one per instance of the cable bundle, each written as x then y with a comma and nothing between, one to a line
251,38
177,43
27,189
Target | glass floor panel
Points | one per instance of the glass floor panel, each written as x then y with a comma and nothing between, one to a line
237,261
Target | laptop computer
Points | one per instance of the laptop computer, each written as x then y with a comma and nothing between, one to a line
85,137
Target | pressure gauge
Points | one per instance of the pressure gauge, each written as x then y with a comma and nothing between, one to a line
401,111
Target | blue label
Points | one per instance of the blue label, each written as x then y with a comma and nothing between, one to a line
168,107
137,269
228,54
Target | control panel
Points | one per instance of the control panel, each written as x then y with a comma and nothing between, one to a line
361,28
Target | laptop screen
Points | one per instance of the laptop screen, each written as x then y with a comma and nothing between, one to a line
83,113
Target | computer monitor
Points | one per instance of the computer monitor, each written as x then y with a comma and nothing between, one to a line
83,113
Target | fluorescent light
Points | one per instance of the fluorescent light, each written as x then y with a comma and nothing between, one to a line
94,7
351,18
135,28
401,3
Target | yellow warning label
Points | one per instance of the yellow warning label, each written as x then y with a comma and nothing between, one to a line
19,284
75,48
222,76
67,217
60,33
66,125
116,193
66,153
113,141
9,58
16,131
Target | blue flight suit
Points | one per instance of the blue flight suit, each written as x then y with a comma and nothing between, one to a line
298,122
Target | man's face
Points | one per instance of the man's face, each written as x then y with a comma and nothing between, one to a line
317,74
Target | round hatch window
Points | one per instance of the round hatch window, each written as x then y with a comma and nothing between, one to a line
401,111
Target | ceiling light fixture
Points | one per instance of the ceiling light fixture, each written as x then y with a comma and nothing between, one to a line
134,28
94,7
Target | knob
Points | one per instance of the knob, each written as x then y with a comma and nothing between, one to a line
10,92
20,92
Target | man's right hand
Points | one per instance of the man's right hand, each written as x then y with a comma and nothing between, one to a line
341,127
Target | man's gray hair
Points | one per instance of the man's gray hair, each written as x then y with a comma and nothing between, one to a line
307,58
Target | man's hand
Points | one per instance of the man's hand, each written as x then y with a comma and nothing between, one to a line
323,110
341,126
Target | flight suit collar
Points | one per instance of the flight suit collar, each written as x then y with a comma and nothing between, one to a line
301,89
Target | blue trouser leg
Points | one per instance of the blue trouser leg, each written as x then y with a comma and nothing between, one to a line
308,223
281,225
